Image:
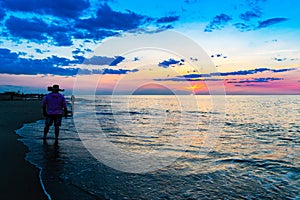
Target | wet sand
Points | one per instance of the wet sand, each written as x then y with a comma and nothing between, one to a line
19,178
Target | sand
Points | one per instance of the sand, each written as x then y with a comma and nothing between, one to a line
19,178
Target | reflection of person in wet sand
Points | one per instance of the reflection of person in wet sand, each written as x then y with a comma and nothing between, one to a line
73,102
53,104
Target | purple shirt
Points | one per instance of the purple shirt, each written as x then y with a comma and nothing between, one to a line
54,102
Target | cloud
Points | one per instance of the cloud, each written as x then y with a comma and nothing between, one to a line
280,59
170,62
106,18
62,30
193,59
118,71
38,51
106,71
247,16
168,19
11,63
77,51
92,34
218,23
218,55
283,70
32,29
69,24
66,8
256,80
254,71
99,60
103,60
2,12
183,79
116,61
37,30
270,22
210,77
244,27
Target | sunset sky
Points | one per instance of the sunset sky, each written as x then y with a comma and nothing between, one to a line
151,47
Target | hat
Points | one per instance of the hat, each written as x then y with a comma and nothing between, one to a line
56,88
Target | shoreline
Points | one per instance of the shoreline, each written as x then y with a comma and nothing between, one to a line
19,178
22,179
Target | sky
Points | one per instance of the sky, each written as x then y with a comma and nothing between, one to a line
151,47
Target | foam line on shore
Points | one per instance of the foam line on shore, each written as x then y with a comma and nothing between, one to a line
42,184
40,168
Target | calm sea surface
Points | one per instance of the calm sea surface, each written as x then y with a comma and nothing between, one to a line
168,147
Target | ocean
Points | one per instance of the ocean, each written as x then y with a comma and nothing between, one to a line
173,147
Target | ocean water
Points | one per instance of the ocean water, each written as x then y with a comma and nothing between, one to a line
168,147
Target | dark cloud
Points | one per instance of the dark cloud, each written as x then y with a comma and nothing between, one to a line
11,63
256,80
66,8
32,29
168,19
118,71
244,27
68,24
218,55
157,30
116,61
93,35
255,13
2,12
209,77
270,22
282,70
62,39
77,51
254,71
103,60
189,76
105,71
218,23
280,59
106,18
182,79
38,51
170,62
250,15
38,31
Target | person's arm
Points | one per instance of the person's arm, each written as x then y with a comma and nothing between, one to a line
44,111
44,107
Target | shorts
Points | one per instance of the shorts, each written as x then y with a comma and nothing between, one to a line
53,118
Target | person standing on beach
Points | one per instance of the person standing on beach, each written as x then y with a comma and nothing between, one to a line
53,104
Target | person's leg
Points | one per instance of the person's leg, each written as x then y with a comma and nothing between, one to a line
46,130
56,132
57,124
48,123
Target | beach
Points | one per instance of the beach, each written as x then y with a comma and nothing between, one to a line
19,178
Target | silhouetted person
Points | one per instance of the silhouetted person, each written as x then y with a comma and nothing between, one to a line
53,104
